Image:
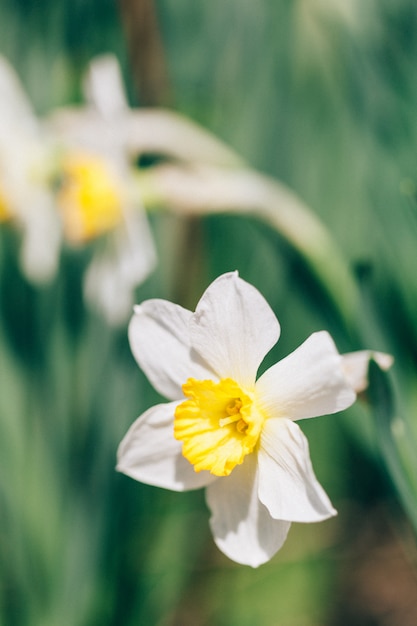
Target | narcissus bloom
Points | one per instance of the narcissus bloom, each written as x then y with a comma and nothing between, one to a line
97,195
223,428
25,199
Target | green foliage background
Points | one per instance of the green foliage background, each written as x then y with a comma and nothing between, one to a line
323,96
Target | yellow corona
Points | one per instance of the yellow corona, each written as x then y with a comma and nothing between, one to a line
90,197
4,212
219,424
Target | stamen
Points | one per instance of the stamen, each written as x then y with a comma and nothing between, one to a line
224,421
233,411
242,426
234,406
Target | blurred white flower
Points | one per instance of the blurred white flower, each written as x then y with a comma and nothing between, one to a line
97,194
222,428
25,198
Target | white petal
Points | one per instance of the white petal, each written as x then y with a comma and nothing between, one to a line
242,527
287,484
128,256
161,131
307,383
160,341
105,291
15,108
355,366
41,238
135,246
150,454
233,328
103,86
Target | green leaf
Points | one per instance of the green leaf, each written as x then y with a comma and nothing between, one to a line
395,438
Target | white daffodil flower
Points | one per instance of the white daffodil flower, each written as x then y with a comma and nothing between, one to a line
223,428
97,195
25,199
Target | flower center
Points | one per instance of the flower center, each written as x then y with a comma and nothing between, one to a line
4,211
219,424
90,197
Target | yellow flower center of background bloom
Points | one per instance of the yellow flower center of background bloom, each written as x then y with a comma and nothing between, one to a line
218,424
4,211
90,197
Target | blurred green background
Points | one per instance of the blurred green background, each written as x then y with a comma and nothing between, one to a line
322,96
